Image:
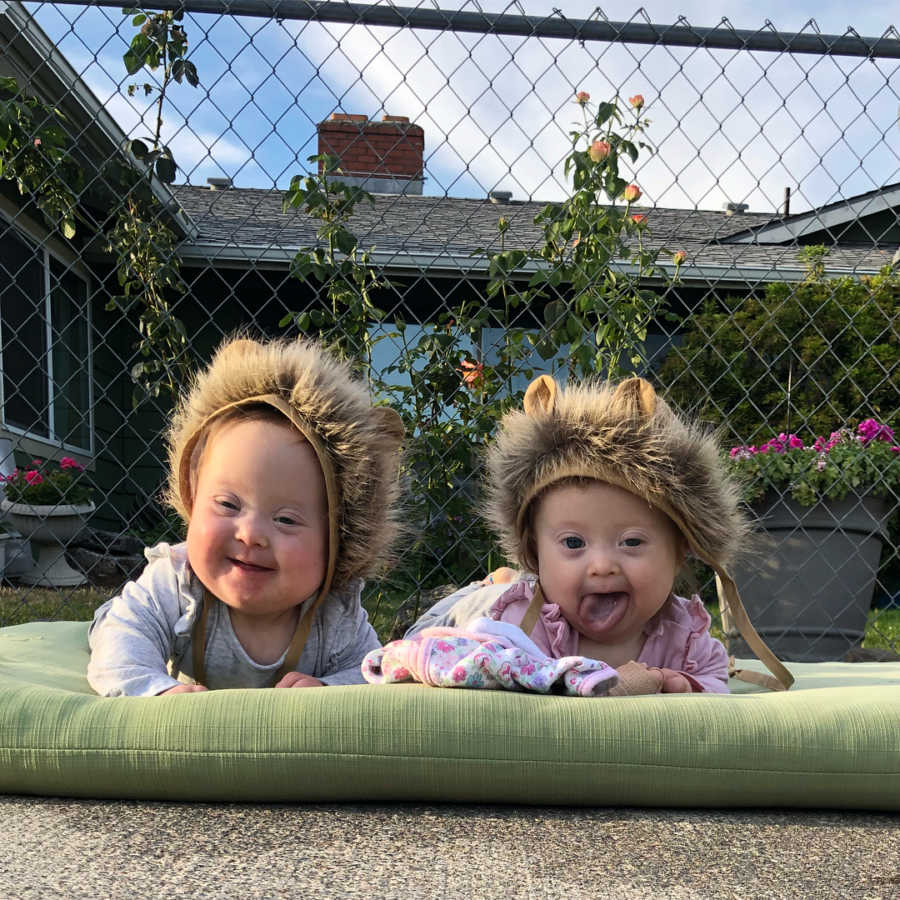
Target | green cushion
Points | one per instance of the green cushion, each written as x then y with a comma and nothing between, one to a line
831,741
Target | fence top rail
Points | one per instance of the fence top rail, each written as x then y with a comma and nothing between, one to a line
556,25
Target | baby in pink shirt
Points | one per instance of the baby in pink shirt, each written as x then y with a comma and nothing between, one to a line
602,491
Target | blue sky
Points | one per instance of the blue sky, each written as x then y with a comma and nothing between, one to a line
725,125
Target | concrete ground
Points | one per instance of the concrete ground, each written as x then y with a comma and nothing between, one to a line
84,848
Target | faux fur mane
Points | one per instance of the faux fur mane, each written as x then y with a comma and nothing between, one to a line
626,435
362,441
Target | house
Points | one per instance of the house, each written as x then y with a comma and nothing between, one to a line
66,358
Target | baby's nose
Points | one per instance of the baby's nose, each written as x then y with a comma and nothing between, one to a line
251,530
603,563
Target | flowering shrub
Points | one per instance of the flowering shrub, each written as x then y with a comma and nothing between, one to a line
864,461
48,484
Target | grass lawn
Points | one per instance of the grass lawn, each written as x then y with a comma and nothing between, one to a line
29,604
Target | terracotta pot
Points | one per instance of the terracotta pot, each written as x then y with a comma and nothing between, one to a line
49,528
809,590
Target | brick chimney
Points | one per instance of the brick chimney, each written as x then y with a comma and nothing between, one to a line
383,157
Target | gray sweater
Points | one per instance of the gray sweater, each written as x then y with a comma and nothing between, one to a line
141,639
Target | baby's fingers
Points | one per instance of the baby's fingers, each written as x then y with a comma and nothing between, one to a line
503,575
184,689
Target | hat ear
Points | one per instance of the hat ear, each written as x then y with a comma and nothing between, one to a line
390,424
636,398
540,398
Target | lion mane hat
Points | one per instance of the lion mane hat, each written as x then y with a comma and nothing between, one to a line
355,442
628,436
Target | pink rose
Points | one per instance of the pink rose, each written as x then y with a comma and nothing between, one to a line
582,97
637,218
33,477
678,257
632,193
637,101
598,151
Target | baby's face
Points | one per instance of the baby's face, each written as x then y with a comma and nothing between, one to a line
258,534
607,558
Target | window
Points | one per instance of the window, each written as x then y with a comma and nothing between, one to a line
45,348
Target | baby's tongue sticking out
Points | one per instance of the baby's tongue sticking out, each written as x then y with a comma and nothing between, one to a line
599,607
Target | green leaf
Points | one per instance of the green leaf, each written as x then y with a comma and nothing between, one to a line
190,72
604,112
345,241
134,62
165,169
138,148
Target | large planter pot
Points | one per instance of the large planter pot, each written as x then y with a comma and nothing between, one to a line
809,590
49,528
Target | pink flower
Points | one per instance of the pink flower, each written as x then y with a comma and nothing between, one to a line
68,463
582,97
637,101
33,477
637,218
37,142
870,430
598,151
632,193
794,442
776,445
678,257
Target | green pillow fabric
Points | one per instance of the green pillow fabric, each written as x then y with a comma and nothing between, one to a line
831,741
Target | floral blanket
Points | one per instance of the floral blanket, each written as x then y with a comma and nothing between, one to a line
486,654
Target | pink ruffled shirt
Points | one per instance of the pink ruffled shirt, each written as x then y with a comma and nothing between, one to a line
677,637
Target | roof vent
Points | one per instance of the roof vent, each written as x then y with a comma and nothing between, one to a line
500,196
218,184
732,209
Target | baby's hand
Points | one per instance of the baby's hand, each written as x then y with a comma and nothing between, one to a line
503,575
674,682
299,680
183,689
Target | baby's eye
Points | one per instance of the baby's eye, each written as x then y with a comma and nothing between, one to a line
572,542
286,520
633,542
225,503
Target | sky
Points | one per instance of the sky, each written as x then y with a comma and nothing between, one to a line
496,111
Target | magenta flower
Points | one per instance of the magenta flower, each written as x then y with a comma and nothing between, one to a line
68,463
870,430
33,477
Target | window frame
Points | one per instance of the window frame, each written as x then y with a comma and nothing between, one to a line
40,246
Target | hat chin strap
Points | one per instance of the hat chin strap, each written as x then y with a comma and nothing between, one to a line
732,609
298,641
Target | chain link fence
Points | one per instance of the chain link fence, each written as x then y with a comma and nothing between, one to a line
456,202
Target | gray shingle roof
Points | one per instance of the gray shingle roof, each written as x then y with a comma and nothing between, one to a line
427,232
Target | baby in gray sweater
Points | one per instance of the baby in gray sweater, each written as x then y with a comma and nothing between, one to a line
286,477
